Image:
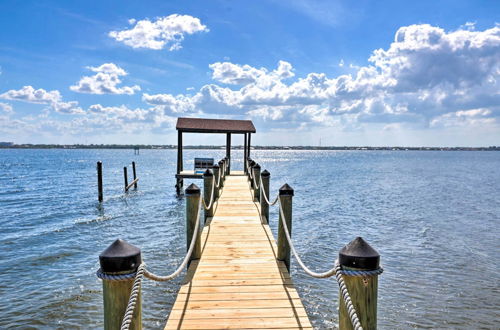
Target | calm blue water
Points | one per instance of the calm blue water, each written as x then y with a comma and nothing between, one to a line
433,216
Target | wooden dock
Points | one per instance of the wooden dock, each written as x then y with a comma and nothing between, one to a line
237,283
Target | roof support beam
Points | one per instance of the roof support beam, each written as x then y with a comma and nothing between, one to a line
228,152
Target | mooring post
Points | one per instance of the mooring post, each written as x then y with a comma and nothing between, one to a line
135,175
227,165
256,178
222,175
120,258
99,182
285,196
250,173
264,185
218,180
192,194
359,255
208,180
249,167
125,177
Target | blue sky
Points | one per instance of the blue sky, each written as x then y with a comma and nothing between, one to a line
348,73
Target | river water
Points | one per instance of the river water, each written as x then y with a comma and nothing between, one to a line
434,217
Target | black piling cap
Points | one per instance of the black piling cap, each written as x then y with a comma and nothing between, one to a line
215,166
252,163
208,172
192,189
286,190
120,257
265,173
359,254
221,162
257,166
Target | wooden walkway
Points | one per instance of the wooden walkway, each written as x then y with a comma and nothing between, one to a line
237,283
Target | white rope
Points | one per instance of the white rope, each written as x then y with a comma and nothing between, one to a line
254,182
336,270
132,300
159,278
217,184
211,197
328,273
265,196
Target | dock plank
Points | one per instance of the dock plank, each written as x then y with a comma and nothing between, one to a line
237,283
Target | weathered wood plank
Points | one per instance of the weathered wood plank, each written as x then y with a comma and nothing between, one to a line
237,283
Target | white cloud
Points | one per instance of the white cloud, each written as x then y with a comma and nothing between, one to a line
425,74
6,107
105,81
229,73
164,32
41,96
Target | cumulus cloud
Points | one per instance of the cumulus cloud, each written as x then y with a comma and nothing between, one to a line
423,77
164,32
105,81
41,96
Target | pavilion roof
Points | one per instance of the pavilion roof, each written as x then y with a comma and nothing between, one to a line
202,125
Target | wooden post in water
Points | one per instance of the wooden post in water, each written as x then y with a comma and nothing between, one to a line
256,178
222,175
218,180
135,175
192,194
125,177
359,255
208,179
285,196
120,258
264,207
99,182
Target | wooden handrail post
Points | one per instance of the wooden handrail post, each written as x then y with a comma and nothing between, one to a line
135,175
120,258
251,165
125,177
256,177
227,165
359,255
193,196
222,175
285,196
264,207
216,169
208,179
249,161
99,182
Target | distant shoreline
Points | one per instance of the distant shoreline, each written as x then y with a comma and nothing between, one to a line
9,145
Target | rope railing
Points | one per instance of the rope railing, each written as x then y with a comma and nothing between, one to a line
217,184
267,199
143,272
336,270
211,197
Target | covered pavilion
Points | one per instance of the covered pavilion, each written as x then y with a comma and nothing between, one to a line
217,126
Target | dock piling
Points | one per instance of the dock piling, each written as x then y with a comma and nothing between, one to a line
125,177
264,207
135,175
216,169
256,177
120,258
222,173
192,194
359,255
208,183
285,200
99,182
